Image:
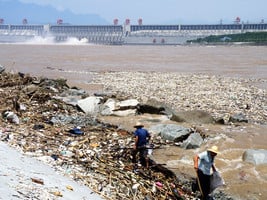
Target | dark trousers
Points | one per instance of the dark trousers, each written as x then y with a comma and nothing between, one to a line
204,184
143,152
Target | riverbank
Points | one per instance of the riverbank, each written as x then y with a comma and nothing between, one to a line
248,38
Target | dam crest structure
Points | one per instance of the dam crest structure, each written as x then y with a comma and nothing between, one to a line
125,34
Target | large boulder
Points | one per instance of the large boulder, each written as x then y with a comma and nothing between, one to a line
119,108
108,107
193,141
256,157
171,132
154,106
90,105
194,116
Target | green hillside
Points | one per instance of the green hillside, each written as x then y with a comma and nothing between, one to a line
249,37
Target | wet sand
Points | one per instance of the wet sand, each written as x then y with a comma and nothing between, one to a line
78,64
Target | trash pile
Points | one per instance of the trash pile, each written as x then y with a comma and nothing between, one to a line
77,144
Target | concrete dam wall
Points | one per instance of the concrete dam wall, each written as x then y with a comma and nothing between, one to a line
124,34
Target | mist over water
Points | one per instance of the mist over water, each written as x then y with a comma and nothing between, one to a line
50,40
37,40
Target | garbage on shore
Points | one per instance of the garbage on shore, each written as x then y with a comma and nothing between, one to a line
77,144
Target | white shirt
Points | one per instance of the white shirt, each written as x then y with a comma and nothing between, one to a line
205,162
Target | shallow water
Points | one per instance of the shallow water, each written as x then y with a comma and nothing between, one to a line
77,63
244,181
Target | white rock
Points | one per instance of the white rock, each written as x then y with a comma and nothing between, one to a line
90,105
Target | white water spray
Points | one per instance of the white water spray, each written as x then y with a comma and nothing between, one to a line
50,40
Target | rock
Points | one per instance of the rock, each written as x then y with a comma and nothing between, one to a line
171,132
254,156
119,108
238,118
195,116
153,106
89,105
130,103
124,113
193,141
108,107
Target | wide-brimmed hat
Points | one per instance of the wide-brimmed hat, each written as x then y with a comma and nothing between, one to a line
138,124
214,149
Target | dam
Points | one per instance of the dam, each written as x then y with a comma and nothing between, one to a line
125,34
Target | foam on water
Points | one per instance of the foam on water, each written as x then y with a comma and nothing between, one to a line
41,40
50,40
75,41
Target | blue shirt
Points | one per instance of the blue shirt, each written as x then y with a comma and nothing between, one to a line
205,162
142,136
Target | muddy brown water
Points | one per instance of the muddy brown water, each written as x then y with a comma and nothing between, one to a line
76,62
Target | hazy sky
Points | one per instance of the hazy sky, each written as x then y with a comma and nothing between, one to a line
161,11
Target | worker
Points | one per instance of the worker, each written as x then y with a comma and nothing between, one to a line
203,163
141,139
